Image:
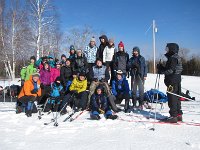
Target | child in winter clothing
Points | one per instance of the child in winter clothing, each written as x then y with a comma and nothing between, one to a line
100,105
30,68
120,89
30,92
45,78
55,97
78,90
90,52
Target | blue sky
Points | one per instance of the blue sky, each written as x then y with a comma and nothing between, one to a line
127,20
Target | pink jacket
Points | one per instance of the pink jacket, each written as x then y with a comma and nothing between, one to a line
54,74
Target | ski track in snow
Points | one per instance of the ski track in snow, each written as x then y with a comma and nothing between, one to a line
22,133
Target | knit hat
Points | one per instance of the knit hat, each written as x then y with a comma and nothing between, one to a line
78,50
92,39
121,44
33,57
63,55
72,47
36,74
50,57
136,49
111,40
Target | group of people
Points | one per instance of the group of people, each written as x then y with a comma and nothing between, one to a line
94,78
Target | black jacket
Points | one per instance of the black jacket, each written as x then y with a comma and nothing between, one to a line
120,61
80,64
66,74
102,46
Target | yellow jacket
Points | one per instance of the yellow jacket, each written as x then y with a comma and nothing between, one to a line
78,85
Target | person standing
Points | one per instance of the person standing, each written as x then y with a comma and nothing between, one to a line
90,52
172,71
104,42
120,59
138,72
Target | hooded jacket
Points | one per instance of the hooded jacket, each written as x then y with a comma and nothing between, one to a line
102,46
54,74
28,87
45,77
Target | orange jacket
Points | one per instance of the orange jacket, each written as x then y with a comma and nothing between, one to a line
28,87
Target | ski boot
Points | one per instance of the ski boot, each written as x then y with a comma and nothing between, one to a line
113,117
95,117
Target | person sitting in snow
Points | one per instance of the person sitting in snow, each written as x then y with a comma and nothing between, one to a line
56,96
120,89
78,94
100,105
29,93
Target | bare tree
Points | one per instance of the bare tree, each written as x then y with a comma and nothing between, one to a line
42,17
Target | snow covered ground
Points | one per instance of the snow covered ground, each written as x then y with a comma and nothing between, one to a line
130,132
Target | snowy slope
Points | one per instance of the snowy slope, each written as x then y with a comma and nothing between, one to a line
126,133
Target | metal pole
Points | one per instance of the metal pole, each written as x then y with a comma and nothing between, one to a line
154,47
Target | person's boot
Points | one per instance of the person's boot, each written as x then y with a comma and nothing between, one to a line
171,120
180,118
95,117
28,113
113,117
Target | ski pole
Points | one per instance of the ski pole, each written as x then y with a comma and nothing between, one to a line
180,96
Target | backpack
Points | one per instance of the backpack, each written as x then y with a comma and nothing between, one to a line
151,96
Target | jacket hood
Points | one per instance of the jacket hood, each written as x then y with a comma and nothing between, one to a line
104,37
173,47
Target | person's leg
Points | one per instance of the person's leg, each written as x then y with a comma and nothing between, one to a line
83,99
126,97
94,115
66,100
92,89
141,92
112,104
106,88
134,92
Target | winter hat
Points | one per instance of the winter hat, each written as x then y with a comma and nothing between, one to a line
36,74
63,55
50,57
72,47
92,39
33,57
121,44
136,49
111,40
173,47
82,74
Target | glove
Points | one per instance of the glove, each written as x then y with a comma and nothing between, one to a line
160,68
102,80
101,111
95,79
34,91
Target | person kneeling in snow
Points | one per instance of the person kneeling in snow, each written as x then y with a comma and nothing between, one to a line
100,105
77,94
120,89
30,92
55,97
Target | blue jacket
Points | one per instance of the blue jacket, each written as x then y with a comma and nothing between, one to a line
120,87
99,102
138,63
56,90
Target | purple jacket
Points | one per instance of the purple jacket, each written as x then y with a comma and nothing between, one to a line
45,77
54,74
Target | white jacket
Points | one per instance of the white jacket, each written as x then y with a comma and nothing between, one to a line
108,53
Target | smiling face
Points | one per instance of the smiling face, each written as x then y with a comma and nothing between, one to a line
46,66
121,48
99,63
82,78
102,40
68,63
99,91
119,76
92,43
136,53
35,78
